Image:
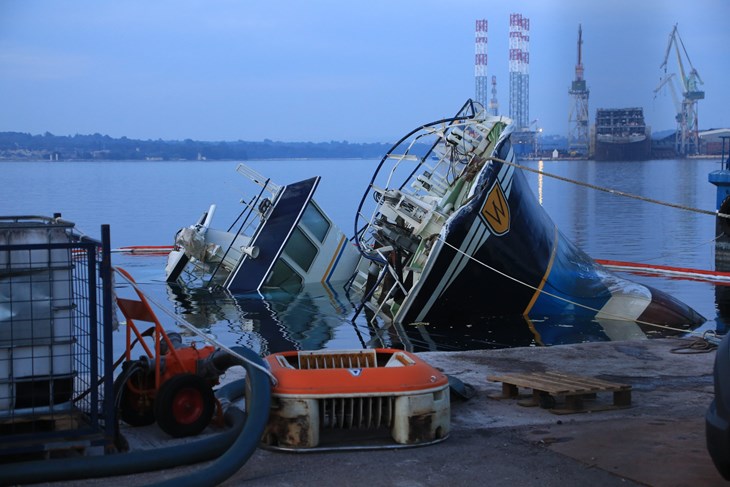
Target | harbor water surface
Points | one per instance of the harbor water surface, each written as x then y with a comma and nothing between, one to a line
146,203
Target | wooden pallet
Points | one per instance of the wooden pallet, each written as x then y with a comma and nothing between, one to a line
60,421
61,433
574,393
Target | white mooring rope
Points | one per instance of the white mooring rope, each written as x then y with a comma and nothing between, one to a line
612,191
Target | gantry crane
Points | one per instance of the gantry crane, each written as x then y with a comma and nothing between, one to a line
687,136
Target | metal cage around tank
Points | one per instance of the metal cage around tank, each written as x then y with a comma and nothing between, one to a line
56,366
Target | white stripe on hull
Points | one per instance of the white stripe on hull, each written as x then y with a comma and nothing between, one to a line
624,307
476,237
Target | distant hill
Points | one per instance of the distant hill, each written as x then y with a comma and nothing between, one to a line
662,134
24,146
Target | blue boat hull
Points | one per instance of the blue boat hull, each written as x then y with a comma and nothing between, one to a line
501,255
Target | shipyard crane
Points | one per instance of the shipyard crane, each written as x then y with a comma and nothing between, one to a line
668,81
687,136
578,140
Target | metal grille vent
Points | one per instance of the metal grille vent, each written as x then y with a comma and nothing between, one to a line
337,360
357,412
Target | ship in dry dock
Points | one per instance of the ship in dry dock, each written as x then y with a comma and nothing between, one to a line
621,135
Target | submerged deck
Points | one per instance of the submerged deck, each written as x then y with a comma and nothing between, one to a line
658,440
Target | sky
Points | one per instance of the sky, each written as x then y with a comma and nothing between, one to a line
347,70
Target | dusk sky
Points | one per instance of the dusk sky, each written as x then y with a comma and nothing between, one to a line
361,71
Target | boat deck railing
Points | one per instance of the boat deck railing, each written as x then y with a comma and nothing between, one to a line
257,178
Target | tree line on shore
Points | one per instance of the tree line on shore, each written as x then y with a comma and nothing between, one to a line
24,146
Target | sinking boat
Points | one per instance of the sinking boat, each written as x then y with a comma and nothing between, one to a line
456,235
281,240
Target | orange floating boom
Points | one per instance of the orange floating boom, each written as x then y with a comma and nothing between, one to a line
144,249
679,272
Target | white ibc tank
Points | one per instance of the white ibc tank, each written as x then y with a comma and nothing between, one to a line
36,313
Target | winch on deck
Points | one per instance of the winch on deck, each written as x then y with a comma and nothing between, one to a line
357,398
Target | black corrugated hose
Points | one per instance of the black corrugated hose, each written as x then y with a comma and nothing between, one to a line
232,448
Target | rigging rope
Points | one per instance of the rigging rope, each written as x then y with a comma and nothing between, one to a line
698,345
612,191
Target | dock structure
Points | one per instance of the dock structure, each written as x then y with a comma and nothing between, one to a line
659,440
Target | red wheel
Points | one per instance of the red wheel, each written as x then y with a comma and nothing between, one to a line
184,405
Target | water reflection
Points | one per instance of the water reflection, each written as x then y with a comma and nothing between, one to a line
604,225
661,236
279,321
520,331
321,318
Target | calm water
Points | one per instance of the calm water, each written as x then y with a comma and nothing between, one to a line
147,202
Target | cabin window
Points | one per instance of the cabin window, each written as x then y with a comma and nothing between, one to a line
315,222
300,249
284,277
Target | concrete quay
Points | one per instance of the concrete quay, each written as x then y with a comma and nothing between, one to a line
659,440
